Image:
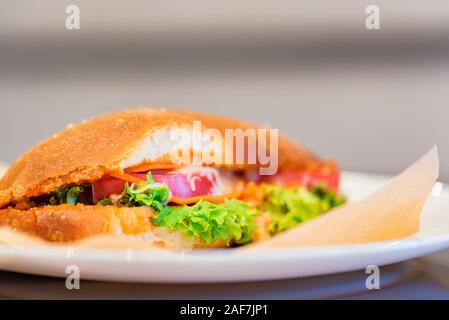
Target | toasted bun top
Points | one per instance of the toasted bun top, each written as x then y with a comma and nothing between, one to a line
86,152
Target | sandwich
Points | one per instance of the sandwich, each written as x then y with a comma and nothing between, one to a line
117,175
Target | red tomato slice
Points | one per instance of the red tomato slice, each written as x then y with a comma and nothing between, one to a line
308,179
179,185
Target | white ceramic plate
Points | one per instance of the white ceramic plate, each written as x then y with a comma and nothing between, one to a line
233,266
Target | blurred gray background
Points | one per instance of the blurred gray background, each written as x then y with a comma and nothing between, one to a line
373,99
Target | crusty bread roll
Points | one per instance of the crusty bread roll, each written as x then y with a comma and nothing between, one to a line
70,223
86,152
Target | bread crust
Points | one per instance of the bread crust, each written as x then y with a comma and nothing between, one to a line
86,152
65,223
82,153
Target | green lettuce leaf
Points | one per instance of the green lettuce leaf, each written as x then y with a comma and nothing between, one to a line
152,194
290,206
67,195
231,222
